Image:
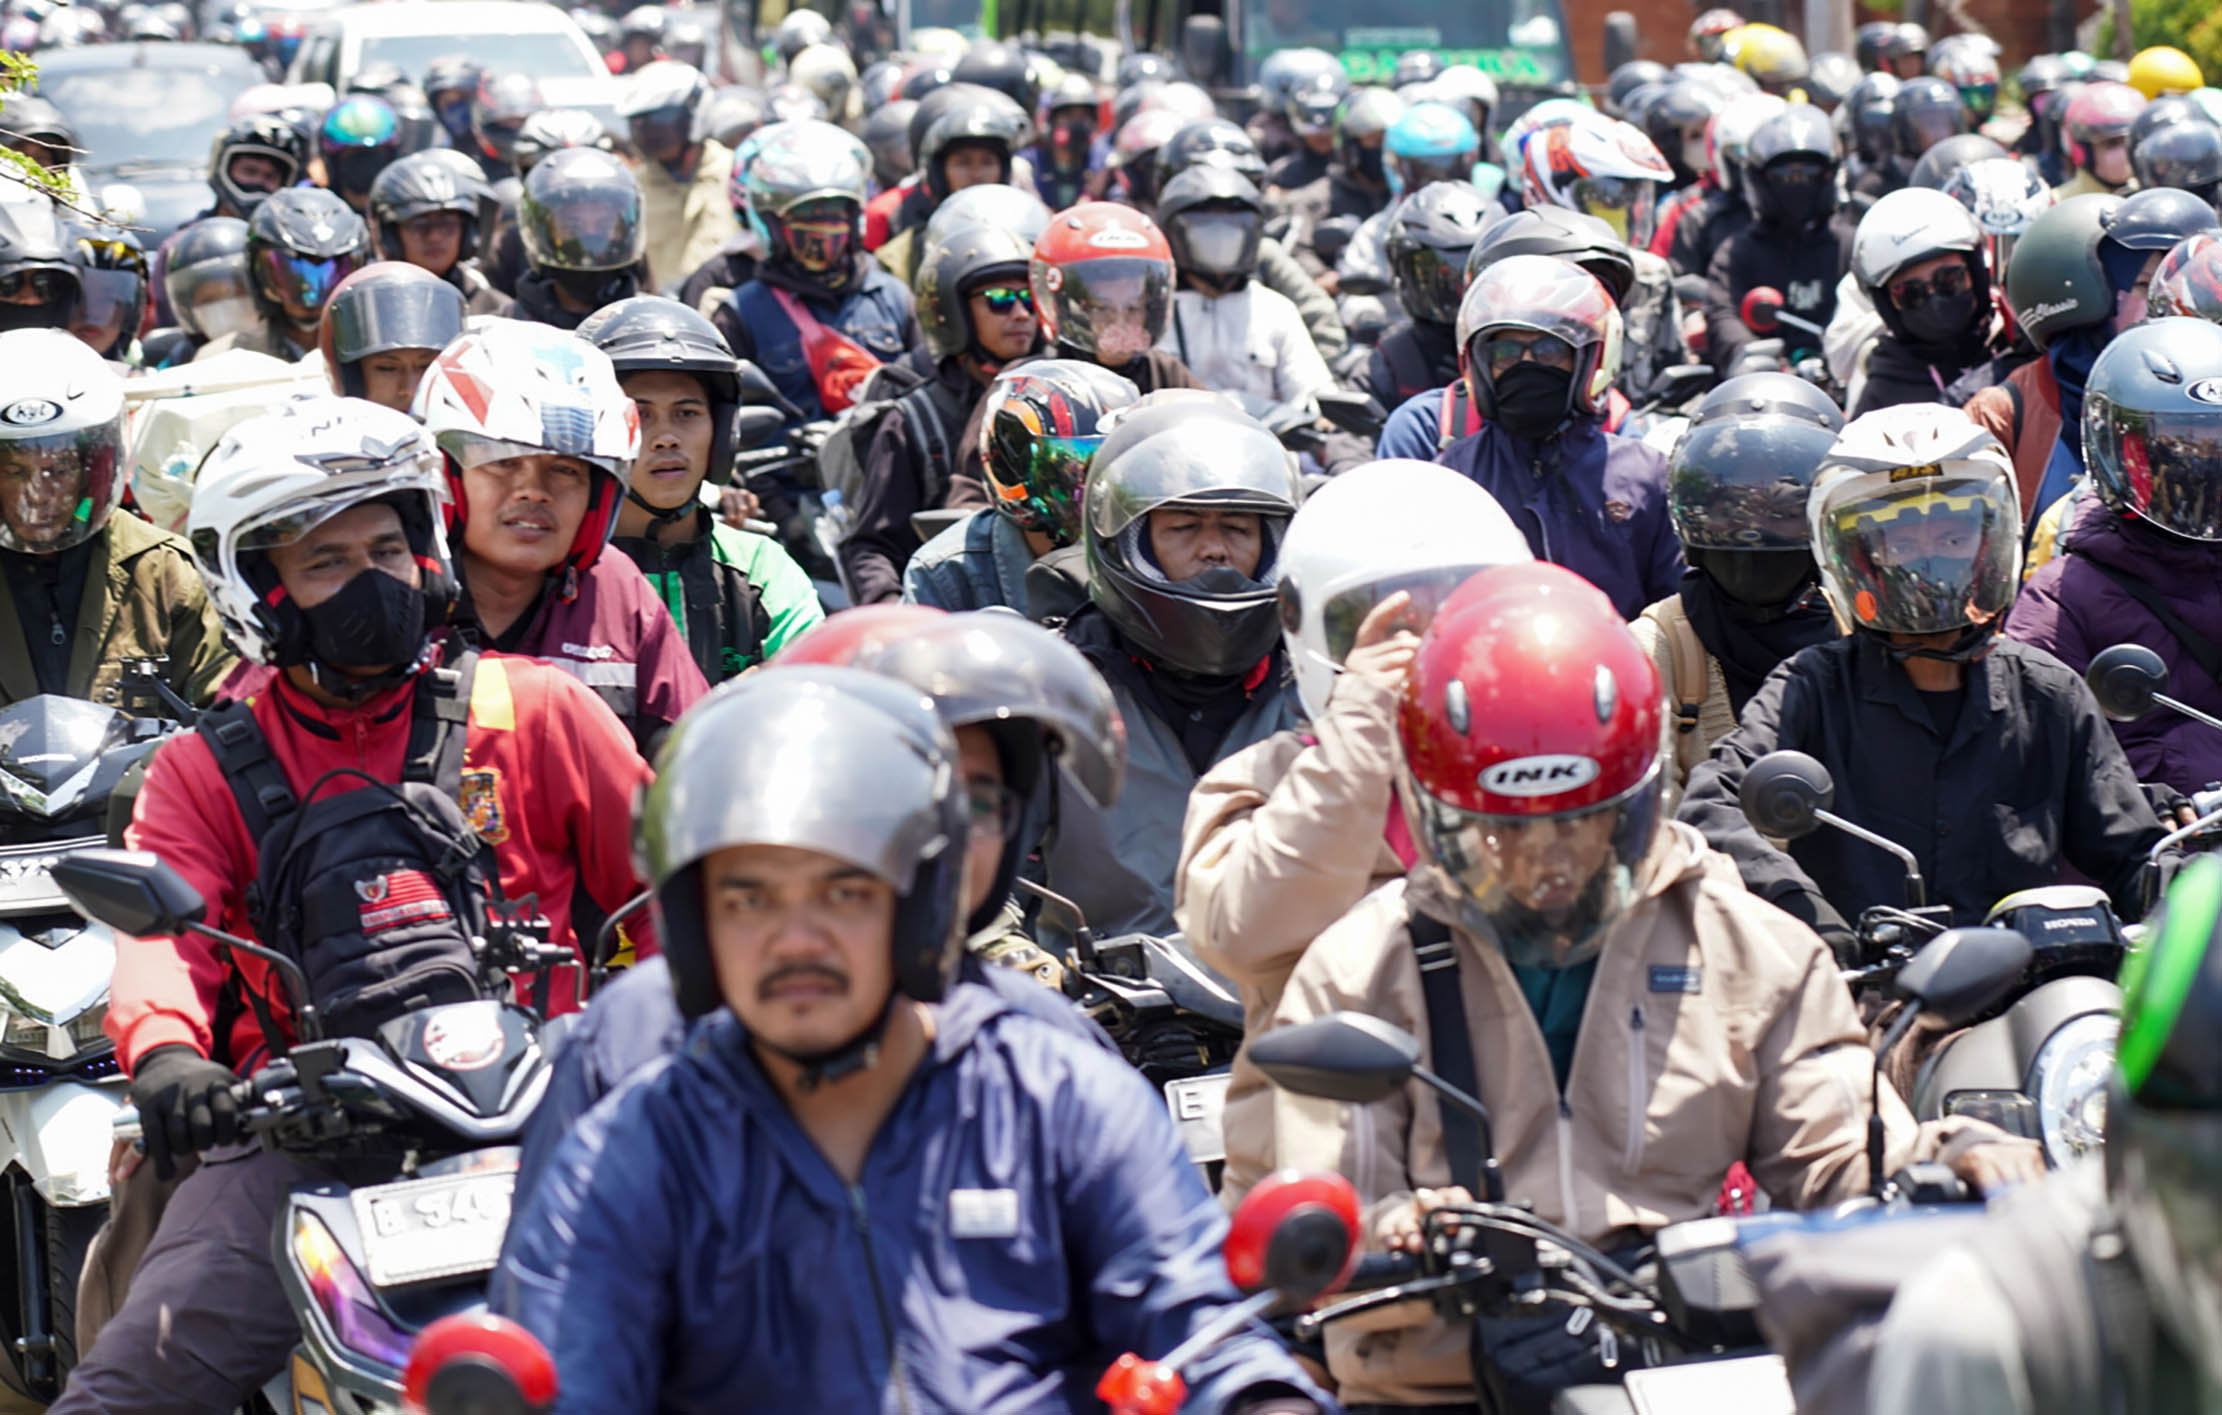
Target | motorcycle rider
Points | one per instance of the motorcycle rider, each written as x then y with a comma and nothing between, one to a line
683,171
86,590
358,139
1356,183
500,107
539,441
977,313
2096,127
1285,837
41,284
2095,1289
1918,258
1431,234
1737,484
1068,158
205,288
581,224
963,135
2140,558
113,292
737,597
301,243
1540,342
1708,222
1793,243
382,329
1187,502
1574,936
1234,334
252,158
423,211
833,933
1040,428
318,532
1103,279
820,314
1922,708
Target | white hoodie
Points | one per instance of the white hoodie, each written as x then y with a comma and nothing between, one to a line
1252,341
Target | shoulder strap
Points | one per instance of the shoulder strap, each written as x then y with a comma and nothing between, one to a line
2203,650
242,754
2013,398
438,725
1686,652
931,438
1451,416
1450,1043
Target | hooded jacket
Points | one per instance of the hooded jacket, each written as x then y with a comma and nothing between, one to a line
685,219
607,628
546,768
1250,341
536,301
1282,839
735,595
1715,1031
1024,1215
977,563
143,598
1587,500
1898,372
2072,608
1804,265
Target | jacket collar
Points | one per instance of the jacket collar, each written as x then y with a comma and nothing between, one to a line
1884,680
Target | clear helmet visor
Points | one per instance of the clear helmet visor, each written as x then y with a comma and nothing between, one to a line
1627,204
57,491
1929,555
2168,466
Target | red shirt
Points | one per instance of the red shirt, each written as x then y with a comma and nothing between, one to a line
549,776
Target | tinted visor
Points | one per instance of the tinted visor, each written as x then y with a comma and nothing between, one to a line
1047,499
399,316
663,133
1429,282
110,307
1627,204
583,232
304,283
1417,172
1929,556
2170,465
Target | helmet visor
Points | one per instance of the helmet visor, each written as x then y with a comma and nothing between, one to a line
1046,500
1430,282
295,519
1220,242
1417,172
1627,204
661,135
112,303
583,231
2168,466
399,316
304,283
57,491
1930,555
820,235
1347,608
1116,308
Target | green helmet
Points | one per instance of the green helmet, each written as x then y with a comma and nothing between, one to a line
2164,1118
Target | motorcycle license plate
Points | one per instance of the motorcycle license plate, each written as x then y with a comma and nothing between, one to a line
1196,1103
419,1229
27,878
1749,1385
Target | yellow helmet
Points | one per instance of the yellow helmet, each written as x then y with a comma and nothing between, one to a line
2162,69
1773,57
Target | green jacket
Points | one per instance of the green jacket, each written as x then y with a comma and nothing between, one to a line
738,597
144,598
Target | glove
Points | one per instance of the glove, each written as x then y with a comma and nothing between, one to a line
185,1105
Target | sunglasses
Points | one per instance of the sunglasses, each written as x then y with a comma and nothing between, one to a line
1504,351
1950,281
1004,299
992,808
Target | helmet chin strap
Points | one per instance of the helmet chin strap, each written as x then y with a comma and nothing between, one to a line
349,688
846,1059
659,517
1971,644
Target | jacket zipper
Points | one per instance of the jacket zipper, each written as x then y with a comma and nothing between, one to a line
1639,1087
1568,1215
879,1298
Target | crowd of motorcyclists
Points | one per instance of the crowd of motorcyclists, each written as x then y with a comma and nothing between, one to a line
832,552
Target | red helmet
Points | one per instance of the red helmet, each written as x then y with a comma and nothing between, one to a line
2099,110
845,637
1103,282
1529,730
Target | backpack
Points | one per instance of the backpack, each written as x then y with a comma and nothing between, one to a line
1692,675
923,406
379,893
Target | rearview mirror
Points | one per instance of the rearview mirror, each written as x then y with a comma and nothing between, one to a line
2124,678
1759,309
475,1363
131,891
1784,793
1961,972
1295,1233
1344,1056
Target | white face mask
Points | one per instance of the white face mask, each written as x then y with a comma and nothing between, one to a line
234,314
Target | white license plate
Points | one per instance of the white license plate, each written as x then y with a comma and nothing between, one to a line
420,1229
1750,1385
1197,1103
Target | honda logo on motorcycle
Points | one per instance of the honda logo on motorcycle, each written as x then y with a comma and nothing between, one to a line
1539,776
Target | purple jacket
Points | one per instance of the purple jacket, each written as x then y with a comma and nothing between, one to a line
2072,610
1590,501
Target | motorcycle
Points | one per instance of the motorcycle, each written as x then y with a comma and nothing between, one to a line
1685,1322
61,762
2036,1064
434,1103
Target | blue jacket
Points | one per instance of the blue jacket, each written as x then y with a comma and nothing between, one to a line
1600,511
1413,427
876,314
1026,1214
978,563
635,1021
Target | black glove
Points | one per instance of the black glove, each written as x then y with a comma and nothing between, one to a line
185,1105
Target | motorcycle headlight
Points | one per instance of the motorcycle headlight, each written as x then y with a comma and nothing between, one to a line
342,1295
2068,1080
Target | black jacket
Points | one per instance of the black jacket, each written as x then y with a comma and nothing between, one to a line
898,482
1713,224
1411,358
1898,372
2030,775
536,301
1804,265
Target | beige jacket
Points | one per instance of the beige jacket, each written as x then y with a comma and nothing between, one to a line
1716,1030
1660,629
1281,840
685,222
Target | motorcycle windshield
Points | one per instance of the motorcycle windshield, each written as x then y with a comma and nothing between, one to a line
47,742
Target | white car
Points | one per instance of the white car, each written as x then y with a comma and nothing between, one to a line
502,36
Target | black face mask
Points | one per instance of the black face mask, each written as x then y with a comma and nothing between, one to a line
1764,580
596,287
374,621
1372,165
1940,319
1532,400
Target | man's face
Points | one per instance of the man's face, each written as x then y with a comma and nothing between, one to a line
2110,159
253,172
41,486
1188,540
801,943
390,379
433,240
524,512
1003,317
365,537
1545,864
993,807
971,164
675,433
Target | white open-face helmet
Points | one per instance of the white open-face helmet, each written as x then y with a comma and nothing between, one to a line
273,479
61,441
1368,533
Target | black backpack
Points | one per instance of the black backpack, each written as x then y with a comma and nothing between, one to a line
379,892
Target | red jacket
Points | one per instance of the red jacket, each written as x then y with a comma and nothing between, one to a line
549,776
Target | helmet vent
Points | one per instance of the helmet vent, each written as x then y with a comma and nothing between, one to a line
2162,367
1455,708
1605,692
